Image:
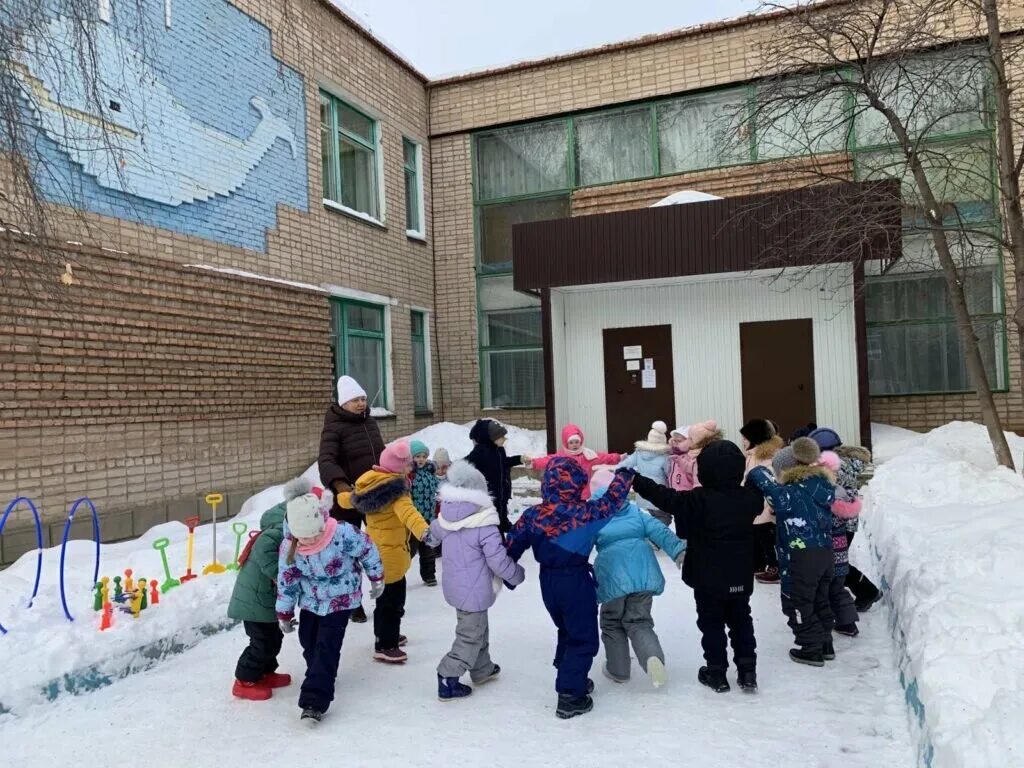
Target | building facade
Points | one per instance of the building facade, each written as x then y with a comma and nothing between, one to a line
286,199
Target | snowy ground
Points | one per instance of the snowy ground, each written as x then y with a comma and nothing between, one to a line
848,715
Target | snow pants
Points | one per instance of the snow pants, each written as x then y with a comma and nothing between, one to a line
259,657
627,621
715,612
471,650
387,616
805,597
841,601
321,638
765,556
570,596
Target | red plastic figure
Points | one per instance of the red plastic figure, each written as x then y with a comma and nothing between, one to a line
108,612
154,593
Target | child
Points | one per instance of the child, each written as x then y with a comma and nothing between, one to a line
320,571
853,459
628,577
573,448
802,499
475,565
489,457
424,484
252,602
760,444
382,494
686,445
844,509
650,460
441,463
561,530
717,521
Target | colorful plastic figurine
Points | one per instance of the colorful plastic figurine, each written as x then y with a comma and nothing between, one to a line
141,589
136,603
239,528
105,581
129,583
118,592
191,522
108,616
154,593
160,545
97,603
214,499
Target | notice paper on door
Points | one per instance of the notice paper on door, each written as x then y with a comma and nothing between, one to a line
632,365
649,378
632,353
649,363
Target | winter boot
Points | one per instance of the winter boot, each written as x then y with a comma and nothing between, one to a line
402,641
276,680
656,671
250,691
746,676
314,716
828,651
770,576
487,678
449,688
429,581
390,656
573,706
590,686
804,656
864,603
849,630
358,616
714,678
613,678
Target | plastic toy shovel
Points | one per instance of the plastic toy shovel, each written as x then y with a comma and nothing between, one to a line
213,499
170,582
239,528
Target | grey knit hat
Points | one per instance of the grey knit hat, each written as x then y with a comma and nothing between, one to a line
803,451
441,458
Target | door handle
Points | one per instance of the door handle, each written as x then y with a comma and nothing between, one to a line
619,390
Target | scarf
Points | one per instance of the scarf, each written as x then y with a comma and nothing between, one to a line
486,516
322,542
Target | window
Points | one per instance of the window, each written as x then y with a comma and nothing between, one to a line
522,161
511,346
495,222
348,154
615,146
913,344
420,372
412,165
806,116
704,131
359,345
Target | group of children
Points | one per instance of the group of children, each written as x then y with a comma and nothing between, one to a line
723,501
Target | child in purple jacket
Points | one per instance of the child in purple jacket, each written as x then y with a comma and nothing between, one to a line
474,565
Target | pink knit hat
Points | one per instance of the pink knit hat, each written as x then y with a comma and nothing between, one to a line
396,457
602,479
698,433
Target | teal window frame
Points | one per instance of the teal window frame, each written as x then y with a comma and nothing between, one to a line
341,333
412,172
371,144
418,338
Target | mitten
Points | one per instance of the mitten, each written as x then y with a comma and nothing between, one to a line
429,540
376,588
679,559
508,586
286,622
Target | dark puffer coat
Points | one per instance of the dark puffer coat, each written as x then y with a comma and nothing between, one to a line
350,445
496,466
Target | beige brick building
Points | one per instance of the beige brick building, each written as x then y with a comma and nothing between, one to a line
196,348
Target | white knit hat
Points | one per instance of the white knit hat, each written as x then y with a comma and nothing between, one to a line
349,389
657,434
305,517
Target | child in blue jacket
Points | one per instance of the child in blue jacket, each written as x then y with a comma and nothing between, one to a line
561,530
802,497
628,578
651,459
423,485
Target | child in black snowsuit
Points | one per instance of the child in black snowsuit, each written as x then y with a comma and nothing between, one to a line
717,521
802,498
489,458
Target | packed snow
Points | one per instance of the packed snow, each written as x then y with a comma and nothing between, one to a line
941,527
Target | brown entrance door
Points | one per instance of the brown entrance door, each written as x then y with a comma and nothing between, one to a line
777,360
631,406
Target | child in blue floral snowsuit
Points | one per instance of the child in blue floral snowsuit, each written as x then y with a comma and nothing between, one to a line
424,483
320,571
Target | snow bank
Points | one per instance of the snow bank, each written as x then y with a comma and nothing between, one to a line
941,531
45,655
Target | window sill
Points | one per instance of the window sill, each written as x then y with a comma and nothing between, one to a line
423,414
937,393
352,213
419,237
382,413
493,408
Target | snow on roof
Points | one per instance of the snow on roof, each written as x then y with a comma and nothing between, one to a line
684,196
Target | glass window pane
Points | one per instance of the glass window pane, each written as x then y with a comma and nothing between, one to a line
412,202
360,318
924,296
366,365
416,327
328,166
934,95
409,154
514,379
803,116
522,161
419,375
703,132
521,328
496,221
614,146
358,177
497,293
355,122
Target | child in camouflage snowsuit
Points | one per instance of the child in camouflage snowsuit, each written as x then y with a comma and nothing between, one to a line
423,486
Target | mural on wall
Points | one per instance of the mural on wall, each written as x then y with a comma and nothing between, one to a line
202,130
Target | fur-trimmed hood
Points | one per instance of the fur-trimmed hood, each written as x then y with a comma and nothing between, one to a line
454,494
377,490
643,445
716,435
802,472
766,451
854,452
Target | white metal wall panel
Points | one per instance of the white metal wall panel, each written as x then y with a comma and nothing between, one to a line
705,315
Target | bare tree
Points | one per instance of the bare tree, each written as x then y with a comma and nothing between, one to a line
895,79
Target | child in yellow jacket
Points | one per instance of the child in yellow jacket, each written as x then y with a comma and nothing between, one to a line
382,495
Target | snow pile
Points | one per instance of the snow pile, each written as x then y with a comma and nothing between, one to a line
942,524
684,196
44,654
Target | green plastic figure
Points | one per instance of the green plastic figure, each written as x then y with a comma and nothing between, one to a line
145,598
97,603
117,589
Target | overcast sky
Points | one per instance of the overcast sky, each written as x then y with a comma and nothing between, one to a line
441,37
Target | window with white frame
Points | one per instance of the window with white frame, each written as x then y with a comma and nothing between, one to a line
349,147
412,165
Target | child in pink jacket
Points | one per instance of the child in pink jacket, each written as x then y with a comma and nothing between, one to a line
686,444
573,448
